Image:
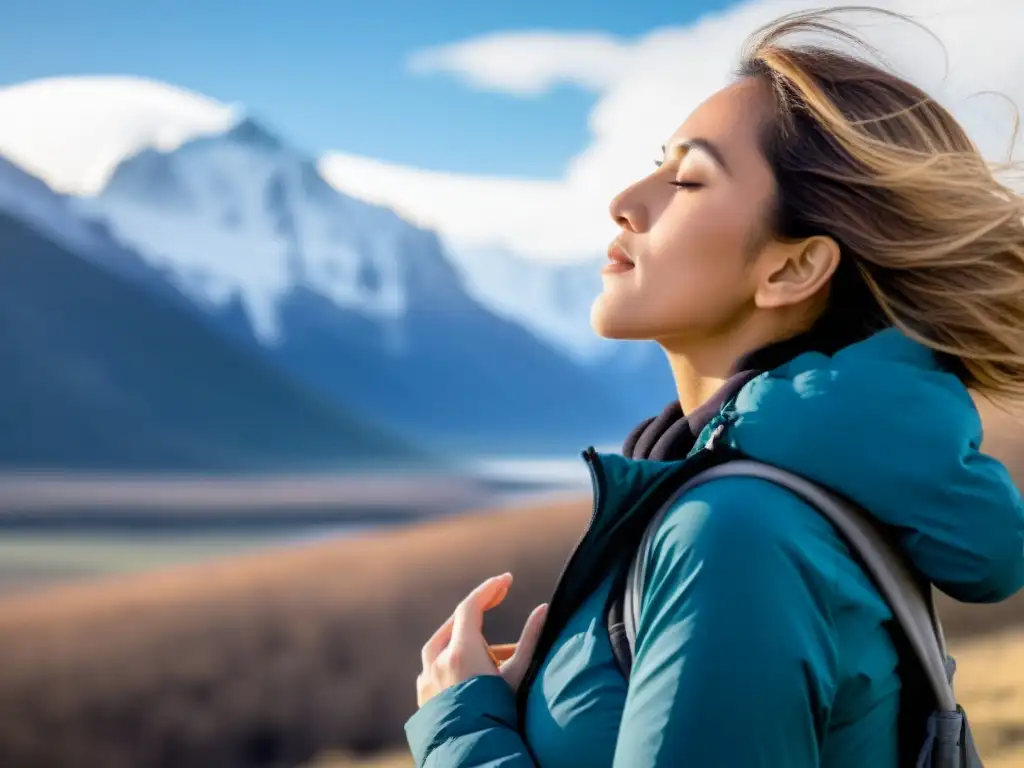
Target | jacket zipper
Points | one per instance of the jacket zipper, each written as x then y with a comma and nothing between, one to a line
546,639
596,483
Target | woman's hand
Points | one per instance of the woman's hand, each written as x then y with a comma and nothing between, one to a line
458,651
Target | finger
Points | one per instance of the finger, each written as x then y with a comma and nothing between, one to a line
440,639
499,597
530,635
469,615
437,642
514,670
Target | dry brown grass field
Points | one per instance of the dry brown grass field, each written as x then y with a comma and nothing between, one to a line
276,658
258,660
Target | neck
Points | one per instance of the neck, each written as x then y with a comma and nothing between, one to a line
700,369
693,387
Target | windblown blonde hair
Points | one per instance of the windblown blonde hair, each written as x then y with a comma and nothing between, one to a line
932,242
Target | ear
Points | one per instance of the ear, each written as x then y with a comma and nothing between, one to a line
795,272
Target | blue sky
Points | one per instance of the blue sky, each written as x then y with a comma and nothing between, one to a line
334,75
485,166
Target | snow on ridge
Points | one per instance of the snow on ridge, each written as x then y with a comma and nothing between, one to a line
241,213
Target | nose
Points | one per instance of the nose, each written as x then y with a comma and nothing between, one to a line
627,210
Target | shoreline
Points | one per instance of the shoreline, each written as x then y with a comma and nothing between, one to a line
66,503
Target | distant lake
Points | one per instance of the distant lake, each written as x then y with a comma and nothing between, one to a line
67,528
554,472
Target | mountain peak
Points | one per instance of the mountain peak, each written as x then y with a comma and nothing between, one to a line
252,133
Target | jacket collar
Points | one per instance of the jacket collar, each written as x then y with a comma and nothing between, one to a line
671,435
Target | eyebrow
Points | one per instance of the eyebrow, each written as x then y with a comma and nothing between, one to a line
706,146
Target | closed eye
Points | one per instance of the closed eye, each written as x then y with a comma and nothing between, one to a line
681,184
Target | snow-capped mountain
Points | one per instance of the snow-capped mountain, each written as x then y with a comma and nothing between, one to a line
276,223
77,133
485,348
242,213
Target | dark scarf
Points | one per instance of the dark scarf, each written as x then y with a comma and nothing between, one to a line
670,436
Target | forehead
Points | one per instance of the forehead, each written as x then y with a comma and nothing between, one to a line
731,119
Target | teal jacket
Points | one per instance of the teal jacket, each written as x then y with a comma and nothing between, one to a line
760,642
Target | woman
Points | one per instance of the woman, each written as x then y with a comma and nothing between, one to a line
829,264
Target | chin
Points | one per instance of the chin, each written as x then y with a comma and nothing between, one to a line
610,320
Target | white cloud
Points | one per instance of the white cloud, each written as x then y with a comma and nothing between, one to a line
73,131
528,63
645,88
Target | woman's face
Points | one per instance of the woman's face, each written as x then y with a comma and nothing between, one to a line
684,267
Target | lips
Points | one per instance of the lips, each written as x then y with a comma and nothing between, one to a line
618,260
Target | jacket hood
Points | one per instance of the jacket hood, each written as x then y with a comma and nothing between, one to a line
884,424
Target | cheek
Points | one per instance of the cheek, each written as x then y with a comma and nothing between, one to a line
701,250
695,291
699,226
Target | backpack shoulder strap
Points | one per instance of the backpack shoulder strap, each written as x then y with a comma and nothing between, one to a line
910,601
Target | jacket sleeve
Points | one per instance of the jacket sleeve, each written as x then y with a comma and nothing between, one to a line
735,661
470,725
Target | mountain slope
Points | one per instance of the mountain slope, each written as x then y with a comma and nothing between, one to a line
98,374
355,301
